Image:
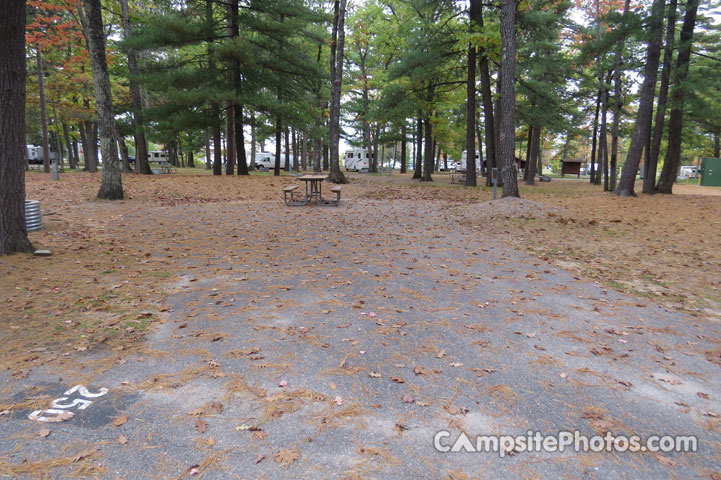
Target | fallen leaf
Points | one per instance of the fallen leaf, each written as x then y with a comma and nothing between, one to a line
420,371
44,432
407,399
703,395
260,435
83,454
398,380
286,456
374,374
338,401
259,458
217,407
283,383
201,425
120,420
122,439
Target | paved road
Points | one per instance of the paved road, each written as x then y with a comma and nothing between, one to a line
385,325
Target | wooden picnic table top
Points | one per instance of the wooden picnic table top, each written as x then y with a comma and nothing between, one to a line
311,178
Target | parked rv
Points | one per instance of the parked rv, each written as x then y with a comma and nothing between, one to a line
35,154
157,156
688,171
357,160
463,164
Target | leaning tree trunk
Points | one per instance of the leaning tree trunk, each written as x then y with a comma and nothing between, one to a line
642,128
508,99
675,121
531,160
13,233
649,178
336,78
111,187
141,145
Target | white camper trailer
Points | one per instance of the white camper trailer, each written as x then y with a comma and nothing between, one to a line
357,160
266,160
463,164
32,154
157,156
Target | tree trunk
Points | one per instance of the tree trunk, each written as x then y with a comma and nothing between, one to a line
417,172
675,123
230,138
191,159
287,149
208,163
111,187
278,137
43,111
535,141
471,117
240,141
252,139
649,178
304,152
141,145
603,139
294,147
594,172
508,99
72,161
13,232
123,150
717,143
645,108
617,99
316,155
404,148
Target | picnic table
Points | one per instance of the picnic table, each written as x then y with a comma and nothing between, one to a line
313,187
458,176
313,191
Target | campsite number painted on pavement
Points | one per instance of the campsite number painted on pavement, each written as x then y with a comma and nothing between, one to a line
59,407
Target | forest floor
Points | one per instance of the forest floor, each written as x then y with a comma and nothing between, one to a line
242,338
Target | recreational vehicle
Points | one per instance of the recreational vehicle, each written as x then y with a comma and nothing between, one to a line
357,160
157,156
463,164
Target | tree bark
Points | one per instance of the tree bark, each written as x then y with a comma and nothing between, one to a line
141,145
417,171
240,141
13,232
535,141
594,173
304,152
278,137
208,162
72,161
111,187
675,123
230,138
649,178
471,117
43,111
404,148
642,127
488,115
617,98
508,99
